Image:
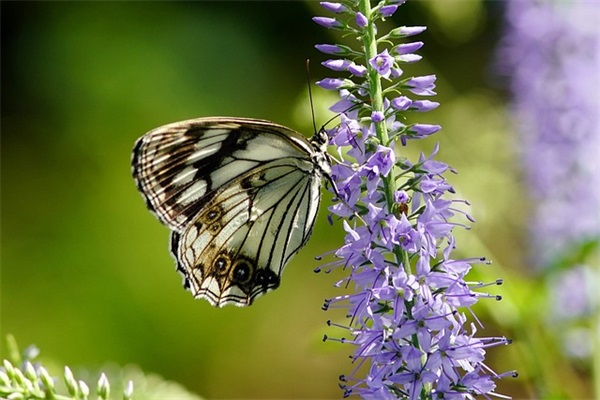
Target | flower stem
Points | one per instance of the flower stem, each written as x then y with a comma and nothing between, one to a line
376,97
376,93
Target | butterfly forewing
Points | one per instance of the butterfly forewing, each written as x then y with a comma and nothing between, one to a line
240,196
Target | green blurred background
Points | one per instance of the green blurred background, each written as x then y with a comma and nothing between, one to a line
86,273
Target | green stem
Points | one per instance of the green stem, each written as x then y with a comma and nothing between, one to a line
376,96
376,93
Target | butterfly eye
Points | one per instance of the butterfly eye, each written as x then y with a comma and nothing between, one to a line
242,272
212,214
266,278
212,218
222,265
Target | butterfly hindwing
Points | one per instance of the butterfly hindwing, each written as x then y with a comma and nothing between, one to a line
240,196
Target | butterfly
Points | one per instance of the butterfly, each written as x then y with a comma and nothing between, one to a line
240,196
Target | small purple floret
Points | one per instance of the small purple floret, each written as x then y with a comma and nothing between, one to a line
377,116
388,11
422,85
331,83
336,65
333,7
327,22
407,48
382,63
328,48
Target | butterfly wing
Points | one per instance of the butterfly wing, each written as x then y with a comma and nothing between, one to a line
240,196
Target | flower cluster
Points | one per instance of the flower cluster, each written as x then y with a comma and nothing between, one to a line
551,52
23,378
404,317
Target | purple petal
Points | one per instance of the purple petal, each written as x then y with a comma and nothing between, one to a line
377,116
401,103
396,73
330,83
328,48
327,22
408,47
424,129
387,11
361,20
422,85
406,31
333,7
382,63
424,105
409,58
336,65
357,70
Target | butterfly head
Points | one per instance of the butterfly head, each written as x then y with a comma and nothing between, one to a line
320,140
320,157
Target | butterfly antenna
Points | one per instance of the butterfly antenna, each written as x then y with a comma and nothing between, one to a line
310,98
353,106
312,111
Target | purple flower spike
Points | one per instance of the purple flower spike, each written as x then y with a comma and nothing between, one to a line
382,63
407,300
328,22
551,54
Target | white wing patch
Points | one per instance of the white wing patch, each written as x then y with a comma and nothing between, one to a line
203,153
193,192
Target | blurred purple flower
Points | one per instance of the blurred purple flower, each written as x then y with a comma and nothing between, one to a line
551,53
